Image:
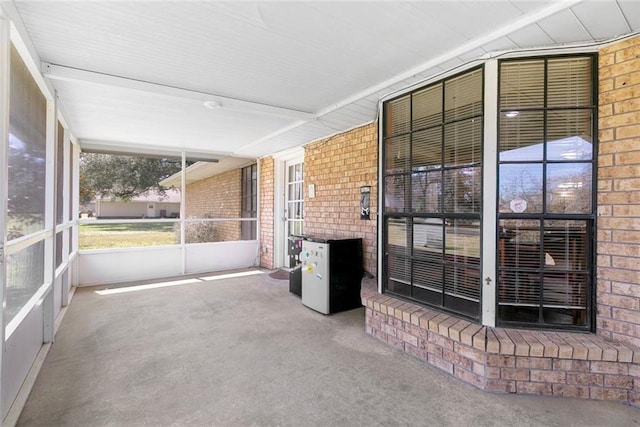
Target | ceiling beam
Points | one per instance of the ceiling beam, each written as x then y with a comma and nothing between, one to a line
130,149
61,72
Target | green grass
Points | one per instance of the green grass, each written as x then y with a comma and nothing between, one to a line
126,235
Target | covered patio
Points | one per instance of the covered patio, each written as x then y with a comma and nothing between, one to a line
236,348
277,112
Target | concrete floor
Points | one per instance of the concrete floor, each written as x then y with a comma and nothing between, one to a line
245,352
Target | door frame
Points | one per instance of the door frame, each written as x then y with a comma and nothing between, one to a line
295,155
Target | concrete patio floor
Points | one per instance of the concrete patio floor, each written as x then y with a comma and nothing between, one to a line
243,351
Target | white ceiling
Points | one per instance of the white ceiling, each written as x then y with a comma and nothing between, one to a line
136,74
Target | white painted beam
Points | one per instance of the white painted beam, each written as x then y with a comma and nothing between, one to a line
130,148
60,72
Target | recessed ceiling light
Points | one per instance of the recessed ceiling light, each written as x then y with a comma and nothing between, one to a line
512,114
213,105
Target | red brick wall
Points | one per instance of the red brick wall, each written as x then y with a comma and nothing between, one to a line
618,248
218,197
266,169
338,166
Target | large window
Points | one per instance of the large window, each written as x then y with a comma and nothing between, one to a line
545,193
434,198
432,193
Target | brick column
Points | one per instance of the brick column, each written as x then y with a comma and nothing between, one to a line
618,248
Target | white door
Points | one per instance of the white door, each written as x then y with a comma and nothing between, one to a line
151,210
294,203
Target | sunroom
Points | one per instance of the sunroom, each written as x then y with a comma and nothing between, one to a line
497,142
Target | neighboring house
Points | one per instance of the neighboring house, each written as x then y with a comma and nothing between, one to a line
148,205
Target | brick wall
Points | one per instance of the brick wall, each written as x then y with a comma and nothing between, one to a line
507,360
217,197
338,166
266,181
618,248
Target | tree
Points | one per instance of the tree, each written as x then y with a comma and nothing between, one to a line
122,177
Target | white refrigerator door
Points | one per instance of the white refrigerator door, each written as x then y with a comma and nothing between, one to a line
315,276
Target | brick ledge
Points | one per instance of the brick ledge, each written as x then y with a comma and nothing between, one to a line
503,341
507,360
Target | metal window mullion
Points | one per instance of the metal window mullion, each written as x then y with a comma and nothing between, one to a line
489,216
382,252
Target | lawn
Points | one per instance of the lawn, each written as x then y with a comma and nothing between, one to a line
104,236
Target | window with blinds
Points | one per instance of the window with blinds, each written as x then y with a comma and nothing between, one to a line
249,201
546,212
432,157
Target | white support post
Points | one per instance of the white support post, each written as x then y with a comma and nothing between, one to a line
258,210
66,195
50,220
183,210
75,230
380,216
489,208
5,59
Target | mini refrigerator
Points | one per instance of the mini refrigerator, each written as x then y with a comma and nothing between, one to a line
331,274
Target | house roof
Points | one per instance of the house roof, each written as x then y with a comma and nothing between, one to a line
171,195
135,76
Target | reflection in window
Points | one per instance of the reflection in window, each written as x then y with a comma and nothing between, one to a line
27,152
249,201
26,185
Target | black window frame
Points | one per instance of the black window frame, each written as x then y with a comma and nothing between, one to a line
249,204
473,311
543,216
